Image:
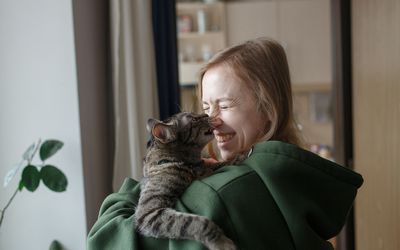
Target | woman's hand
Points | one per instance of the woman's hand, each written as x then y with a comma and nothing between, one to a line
210,162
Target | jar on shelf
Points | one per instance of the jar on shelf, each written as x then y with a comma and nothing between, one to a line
206,52
190,53
201,21
185,24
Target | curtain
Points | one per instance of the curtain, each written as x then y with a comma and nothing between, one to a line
134,84
164,27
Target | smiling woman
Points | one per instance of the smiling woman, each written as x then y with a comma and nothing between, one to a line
248,87
278,197
241,124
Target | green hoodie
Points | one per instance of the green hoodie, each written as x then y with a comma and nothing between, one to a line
280,198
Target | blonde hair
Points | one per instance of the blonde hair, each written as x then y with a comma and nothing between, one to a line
262,66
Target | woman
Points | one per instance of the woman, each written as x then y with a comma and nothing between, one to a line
279,197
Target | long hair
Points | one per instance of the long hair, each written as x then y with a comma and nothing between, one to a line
261,65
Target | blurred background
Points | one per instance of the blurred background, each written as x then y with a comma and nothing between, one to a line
91,73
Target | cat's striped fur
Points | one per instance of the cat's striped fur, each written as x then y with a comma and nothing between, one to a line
172,163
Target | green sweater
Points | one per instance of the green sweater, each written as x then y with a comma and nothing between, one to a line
280,198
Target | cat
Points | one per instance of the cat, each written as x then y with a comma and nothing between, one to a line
172,163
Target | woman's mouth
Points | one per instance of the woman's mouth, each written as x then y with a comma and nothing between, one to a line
224,137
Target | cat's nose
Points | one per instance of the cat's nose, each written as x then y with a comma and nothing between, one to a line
215,122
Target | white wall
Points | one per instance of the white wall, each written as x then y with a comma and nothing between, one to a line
38,98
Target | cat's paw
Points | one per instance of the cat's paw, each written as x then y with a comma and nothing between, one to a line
223,243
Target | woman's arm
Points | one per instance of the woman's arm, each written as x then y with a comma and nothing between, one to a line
115,228
234,198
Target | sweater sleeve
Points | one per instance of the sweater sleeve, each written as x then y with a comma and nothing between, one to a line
114,228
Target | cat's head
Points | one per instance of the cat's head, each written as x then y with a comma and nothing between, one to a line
183,129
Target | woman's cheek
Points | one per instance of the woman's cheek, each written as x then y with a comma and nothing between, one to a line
228,117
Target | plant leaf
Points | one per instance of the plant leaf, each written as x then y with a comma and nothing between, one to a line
53,178
28,152
11,173
49,148
55,245
30,177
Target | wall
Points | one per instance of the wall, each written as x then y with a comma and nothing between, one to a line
38,98
376,120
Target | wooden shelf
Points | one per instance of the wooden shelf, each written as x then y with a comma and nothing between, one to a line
197,5
207,35
311,87
188,72
194,45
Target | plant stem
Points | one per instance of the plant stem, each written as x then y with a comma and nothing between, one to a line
8,204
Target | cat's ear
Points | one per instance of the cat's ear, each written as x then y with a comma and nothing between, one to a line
150,124
163,132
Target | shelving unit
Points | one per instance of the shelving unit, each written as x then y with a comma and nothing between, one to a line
311,87
206,35
201,33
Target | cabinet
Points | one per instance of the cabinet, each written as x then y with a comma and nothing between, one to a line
201,29
302,27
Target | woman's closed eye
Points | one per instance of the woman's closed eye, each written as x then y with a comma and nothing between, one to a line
226,105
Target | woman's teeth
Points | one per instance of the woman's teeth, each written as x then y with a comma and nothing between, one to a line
224,138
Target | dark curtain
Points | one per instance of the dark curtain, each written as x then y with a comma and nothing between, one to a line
164,32
342,91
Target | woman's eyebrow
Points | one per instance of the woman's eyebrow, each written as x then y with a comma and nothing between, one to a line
221,100
225,99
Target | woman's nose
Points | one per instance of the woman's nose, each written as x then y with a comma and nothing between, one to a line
215,122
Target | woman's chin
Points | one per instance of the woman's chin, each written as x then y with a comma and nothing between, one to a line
226,155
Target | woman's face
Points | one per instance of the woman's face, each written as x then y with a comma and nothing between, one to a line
239,125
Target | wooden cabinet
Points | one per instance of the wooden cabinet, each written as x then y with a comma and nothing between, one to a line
201,33
248,20
302,27
304,30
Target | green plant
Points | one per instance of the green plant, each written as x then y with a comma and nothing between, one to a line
32,174
55,245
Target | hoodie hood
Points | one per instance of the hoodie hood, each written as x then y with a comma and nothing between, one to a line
313,194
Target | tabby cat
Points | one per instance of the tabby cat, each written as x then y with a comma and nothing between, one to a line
172,163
